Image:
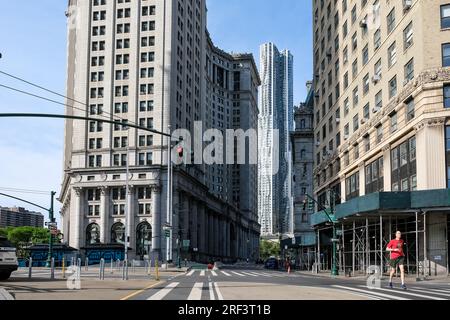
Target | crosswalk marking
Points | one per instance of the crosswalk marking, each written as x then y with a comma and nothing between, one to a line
227,274
202,273
161,294
421,290
196,292
211,292
435,290
411,294
214,273
371,292
191,273
238,274
249,274
219,294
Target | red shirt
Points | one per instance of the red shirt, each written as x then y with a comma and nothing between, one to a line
396,244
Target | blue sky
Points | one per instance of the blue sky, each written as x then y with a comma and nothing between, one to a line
33,44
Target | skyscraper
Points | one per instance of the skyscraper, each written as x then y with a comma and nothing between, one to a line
152,63
275,125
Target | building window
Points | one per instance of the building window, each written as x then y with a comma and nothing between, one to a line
377,39
404,168
355,41
379,134
392,55
366,112
375,176
366,84
355,123
391,21
352,186
394,122
445,16
379,100
393,87
365,55
355,97
410,109
355,69
356,151
446,55
409,71
367,143
447,96
408,36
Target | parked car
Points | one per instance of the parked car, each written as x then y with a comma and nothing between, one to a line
271,263
8,259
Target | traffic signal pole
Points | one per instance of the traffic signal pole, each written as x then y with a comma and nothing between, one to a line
330,216
52,220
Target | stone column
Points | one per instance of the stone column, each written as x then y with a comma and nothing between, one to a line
105,232
131,226
202,229
194,220
210,234
77,219
216,236
223,237
186,217
156,219
227,236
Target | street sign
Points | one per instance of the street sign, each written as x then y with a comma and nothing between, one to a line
167,233
334,240
293,240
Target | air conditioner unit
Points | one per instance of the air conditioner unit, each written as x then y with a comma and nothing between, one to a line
329,53
407,4
363,23
405,82
317,96
338,120
346,137
376,78
318,144
363,121
376,109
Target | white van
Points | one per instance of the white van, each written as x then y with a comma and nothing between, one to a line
8,259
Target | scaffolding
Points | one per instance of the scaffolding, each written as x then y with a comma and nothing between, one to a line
363,241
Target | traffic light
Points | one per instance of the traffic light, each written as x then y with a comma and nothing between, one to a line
308,204
180,152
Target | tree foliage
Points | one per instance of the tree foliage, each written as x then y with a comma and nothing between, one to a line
269,249
23,237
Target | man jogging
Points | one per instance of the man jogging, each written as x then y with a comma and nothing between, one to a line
395,247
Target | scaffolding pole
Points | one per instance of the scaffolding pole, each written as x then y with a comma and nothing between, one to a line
381,245
353,247
343,248
417,247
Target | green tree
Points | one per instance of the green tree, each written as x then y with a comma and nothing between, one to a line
3,232
24,237
269,249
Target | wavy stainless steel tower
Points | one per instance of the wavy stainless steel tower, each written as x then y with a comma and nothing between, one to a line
275,123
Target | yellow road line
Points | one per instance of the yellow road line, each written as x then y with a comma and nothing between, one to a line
140,291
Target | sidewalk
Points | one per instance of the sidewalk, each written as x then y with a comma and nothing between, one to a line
361,276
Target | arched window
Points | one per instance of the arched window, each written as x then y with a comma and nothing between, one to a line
118,233
92,234
143,239
302,124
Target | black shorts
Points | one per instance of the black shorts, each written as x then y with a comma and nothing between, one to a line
394,263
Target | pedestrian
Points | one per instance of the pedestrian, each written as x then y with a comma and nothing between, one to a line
395,247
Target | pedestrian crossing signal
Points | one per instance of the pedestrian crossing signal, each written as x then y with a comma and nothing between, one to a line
308,204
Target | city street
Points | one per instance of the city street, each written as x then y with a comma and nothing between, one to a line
259,284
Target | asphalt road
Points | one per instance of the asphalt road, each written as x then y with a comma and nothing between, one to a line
259,284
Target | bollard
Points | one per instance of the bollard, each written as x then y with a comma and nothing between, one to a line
102,269
52,269
133,266
79,262
157,270
64,267
112,266
86,264
72,261
30,268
